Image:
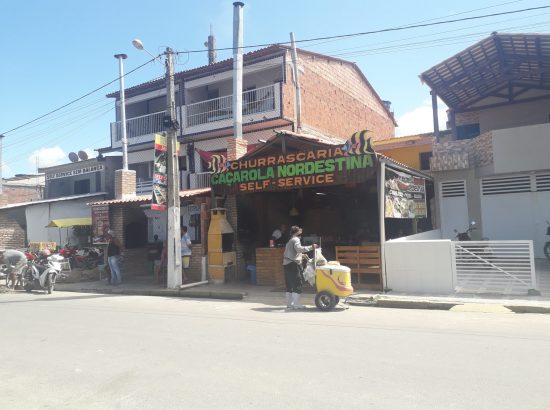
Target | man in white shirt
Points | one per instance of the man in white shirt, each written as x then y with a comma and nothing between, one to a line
185,252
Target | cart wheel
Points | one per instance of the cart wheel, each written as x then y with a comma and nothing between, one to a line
324,301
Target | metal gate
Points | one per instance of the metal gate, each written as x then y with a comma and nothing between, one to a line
503,267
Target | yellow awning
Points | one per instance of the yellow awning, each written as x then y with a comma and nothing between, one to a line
63,223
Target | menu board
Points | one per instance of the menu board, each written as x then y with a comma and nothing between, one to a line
405,195
160,174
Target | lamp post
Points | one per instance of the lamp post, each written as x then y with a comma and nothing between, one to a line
174,279
120,58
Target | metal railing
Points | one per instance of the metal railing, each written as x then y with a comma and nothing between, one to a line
144,125
144,187
255,101
199,180
505,267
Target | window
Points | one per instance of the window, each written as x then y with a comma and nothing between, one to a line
466,132
213,93
82,186
425,161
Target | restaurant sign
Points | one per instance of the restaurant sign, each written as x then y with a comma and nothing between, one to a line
326,166
405,195
73,172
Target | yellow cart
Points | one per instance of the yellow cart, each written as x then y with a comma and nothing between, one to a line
333,281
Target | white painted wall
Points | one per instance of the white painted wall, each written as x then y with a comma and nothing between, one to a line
419,266
433,234
514,115
40,215
522,149
454,215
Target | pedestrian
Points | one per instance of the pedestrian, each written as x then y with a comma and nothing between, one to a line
185,253
114,256
16,261
292,264
279,236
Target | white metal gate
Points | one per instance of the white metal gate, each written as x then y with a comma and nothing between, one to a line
504,267
453,208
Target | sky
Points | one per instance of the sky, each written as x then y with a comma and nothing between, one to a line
56,51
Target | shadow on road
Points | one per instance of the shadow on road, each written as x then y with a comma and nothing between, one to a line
47,298
309,309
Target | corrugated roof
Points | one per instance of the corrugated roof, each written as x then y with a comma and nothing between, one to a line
45,201
510,62
143,199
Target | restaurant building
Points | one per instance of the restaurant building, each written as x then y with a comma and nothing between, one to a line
348,198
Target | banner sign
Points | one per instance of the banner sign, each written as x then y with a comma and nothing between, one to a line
100,223
405,195
79,171
319,167
160,174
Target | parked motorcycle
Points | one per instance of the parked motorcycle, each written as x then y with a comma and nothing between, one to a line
42,277
465,236
87,258
547,244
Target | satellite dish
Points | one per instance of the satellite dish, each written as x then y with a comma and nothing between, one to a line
73,157
82,155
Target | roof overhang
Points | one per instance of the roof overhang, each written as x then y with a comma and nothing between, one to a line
499,70
145,199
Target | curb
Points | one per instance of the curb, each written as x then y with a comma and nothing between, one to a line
164,292
438,305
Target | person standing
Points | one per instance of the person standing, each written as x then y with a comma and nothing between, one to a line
279,235
114,255
185,253
16,261
292,264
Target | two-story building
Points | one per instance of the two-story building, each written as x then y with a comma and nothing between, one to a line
337,100
495,170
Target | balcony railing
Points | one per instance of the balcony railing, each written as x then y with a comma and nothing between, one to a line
199,180
144,187
144,125
255,101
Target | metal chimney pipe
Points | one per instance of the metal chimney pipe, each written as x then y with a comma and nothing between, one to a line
238,69
211,47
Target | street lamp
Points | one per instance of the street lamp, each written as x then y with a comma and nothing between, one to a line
174,279
120,58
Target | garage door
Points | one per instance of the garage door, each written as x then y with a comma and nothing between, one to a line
454,208
516,208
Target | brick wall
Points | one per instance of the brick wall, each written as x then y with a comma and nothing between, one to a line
236,148
12,235
336,100
125,183
464,118
15,195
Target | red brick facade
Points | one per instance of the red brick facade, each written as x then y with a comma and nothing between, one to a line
12,235
336,100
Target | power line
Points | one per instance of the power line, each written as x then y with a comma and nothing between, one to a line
385,30
79,98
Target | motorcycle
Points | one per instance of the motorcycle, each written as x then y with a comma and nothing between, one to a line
547,244
87,258
465,236
42,277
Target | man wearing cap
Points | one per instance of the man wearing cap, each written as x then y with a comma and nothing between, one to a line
114,252
292,264
16,261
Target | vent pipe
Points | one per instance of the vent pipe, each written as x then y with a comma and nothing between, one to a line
211,44
238,69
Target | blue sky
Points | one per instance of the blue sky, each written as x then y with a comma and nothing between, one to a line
56,51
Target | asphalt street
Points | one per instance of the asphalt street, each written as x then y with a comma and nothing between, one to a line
86,351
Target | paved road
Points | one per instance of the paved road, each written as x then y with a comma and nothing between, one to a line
83,351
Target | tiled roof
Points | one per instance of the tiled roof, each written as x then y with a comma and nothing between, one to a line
143,199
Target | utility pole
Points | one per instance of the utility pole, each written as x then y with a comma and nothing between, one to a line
298,100
174,279
120,58
1,166
238,69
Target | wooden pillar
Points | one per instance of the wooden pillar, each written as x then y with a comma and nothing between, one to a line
436,119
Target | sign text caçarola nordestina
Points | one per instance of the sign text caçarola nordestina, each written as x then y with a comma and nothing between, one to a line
323,166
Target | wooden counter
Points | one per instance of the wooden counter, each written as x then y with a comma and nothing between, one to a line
365,264
269,266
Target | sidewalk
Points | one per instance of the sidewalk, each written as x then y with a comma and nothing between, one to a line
275,297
